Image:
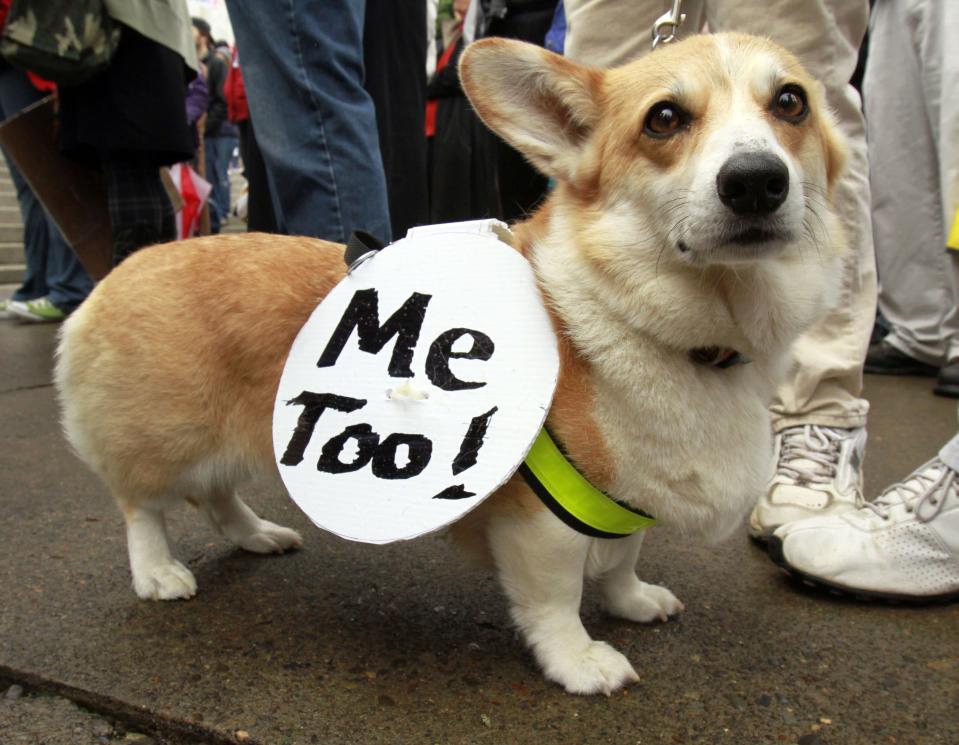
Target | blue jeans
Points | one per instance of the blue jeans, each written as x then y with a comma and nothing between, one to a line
302,63
218,151
53,270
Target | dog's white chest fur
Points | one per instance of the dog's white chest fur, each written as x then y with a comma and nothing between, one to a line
690,442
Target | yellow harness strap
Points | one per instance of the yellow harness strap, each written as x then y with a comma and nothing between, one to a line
573,499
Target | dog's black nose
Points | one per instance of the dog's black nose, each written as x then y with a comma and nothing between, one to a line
753,183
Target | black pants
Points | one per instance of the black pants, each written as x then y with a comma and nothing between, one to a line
521,187
260,217
141,212
394,51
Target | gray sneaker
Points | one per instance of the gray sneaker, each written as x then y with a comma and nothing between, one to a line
818,472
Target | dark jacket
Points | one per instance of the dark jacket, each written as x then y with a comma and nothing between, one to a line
216,71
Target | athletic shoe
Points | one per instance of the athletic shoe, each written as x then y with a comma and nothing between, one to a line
40,310
904,546
947,382
5,311
818,472
884,359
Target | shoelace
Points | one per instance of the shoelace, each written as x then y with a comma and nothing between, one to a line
818,445
930,484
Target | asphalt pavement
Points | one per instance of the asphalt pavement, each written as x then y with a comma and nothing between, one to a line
408,643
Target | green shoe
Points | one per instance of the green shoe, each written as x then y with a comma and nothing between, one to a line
40,310
5,311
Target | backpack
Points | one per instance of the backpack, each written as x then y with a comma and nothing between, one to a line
66,41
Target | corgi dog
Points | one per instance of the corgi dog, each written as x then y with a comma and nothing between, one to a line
691,226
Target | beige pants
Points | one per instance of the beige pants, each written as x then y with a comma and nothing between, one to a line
826,383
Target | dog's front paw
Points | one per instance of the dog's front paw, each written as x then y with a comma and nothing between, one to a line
596,669
644,603
164,582
270,538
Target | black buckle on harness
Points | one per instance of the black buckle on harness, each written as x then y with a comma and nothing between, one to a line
361,244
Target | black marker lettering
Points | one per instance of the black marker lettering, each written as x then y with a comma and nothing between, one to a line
314,404
441,352
363,314
366,441
473,441
419,449
455,492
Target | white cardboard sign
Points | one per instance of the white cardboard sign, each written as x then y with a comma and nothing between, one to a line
417,386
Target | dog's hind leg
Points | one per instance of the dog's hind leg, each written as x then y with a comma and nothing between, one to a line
156,574
613,562
230,516
541,563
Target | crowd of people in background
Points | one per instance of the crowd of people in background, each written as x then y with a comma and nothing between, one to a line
350,115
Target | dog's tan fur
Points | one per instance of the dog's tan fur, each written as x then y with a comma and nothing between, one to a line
168,372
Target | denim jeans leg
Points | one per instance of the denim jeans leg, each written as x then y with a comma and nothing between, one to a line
302,64
227,146
67,280
219,150
34,283
16,93
212,168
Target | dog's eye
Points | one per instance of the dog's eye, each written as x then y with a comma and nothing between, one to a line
790,104
664,120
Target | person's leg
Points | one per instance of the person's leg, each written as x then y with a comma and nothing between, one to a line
394,42
904,545
825,35
521,186
819,414
260,216
316,125
16,93
34,284
824,390
141,213
212,170
224,145
68,281
902,90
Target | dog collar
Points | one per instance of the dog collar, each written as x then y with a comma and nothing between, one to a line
573,499
721,357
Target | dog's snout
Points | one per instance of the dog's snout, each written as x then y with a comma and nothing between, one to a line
753,183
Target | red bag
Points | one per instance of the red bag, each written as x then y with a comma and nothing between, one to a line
234,90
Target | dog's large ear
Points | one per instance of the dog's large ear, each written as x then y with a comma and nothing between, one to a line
542,104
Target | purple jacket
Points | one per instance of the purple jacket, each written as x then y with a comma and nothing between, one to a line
197,97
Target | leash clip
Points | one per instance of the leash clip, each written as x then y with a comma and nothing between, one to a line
672,19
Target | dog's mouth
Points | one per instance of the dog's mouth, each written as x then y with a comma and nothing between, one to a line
755,235
737,243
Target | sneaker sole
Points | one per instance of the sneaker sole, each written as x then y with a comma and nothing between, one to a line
27,317
775,547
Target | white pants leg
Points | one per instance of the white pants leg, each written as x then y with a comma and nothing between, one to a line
913,130
826,384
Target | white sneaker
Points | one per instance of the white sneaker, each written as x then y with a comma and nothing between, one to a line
902,546
818,472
